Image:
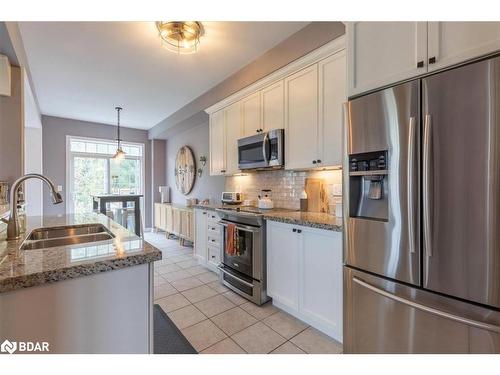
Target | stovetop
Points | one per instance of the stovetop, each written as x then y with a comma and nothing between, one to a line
250,210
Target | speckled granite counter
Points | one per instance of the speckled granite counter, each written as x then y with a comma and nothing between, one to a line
211,206
308,219
27,268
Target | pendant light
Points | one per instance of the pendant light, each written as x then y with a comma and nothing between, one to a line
119,155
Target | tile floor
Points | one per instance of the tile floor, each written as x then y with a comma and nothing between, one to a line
216,320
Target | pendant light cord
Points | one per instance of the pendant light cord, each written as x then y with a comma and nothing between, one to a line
118,109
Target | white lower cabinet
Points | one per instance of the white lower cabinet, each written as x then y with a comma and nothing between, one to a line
207,245
283,264
200,234
304,274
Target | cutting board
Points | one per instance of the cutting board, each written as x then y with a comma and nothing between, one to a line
317,197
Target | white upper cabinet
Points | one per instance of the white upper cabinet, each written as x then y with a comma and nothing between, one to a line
304,97
250,114
381,53
384,53
301,118
454,42
272,107
332,95
233,133
217,143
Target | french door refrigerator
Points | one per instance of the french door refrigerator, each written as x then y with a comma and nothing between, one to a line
422,215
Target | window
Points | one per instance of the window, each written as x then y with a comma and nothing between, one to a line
91,170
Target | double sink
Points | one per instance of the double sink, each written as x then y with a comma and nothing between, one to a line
43,238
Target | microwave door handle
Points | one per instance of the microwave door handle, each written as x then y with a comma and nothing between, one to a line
265,147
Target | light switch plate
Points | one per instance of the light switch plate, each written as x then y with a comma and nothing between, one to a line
337,189
59,188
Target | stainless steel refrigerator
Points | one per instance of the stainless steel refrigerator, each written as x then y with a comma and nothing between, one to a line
422,215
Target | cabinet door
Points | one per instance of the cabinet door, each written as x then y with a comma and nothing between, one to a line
332,95
200,234
321,279
283,264
233,133
454,42
382,53
217,143
301,118
163,218
272,107
157,216
250,114
169,220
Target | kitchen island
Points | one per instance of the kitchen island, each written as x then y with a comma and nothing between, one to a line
93,297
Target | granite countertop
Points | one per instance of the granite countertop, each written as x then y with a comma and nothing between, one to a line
309,219
27,268
213,206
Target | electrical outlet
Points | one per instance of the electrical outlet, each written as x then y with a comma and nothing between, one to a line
59,188
337,189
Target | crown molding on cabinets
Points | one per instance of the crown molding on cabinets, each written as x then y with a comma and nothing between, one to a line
311,58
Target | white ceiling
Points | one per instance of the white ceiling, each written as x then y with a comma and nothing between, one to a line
82,70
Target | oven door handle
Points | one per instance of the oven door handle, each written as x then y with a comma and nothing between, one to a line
221,268
244,228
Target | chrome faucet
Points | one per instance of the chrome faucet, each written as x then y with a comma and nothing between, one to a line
13,232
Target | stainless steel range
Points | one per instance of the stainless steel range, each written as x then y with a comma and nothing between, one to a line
243,267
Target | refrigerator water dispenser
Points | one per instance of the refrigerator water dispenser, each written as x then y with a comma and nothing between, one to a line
368,185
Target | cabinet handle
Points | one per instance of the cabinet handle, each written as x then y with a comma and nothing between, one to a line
319,161
314,161
294,230
222,171
432,60
420,64
299,230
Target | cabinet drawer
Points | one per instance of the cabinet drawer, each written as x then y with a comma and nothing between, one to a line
212,217
213,229
213,255
214,240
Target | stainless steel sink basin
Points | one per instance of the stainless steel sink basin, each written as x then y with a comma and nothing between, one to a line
63,236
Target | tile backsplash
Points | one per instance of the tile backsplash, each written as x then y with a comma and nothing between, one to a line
286,186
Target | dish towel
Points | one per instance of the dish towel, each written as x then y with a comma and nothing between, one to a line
230,247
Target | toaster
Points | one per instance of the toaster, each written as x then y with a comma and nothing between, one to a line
231,197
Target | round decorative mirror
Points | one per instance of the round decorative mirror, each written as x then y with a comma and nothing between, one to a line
185,170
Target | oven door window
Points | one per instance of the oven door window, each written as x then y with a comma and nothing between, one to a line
241,261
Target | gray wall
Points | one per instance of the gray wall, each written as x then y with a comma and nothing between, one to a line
12,130
158,162
205,187
55,130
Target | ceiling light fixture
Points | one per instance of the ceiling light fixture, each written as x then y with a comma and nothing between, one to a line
182,37
120,154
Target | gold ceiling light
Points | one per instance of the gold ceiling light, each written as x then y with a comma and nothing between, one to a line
182,37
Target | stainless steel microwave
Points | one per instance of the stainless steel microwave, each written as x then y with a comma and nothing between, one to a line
261,151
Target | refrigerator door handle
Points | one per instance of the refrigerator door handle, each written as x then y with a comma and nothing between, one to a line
427,183
411,184
428,309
